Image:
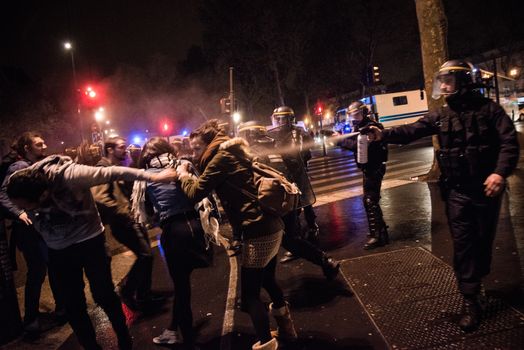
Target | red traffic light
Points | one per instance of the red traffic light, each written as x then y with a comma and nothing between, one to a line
166,127
91,96
90,93
319,109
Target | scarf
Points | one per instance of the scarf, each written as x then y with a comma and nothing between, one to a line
138,197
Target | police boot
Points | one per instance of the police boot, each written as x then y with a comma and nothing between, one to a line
378,233
270,345
330,267
471,313
378,238
286,329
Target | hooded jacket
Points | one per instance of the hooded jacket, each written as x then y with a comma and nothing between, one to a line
223,162
70,215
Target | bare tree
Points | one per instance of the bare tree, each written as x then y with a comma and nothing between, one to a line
433,43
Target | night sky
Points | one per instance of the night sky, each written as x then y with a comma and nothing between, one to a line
105,33
113,32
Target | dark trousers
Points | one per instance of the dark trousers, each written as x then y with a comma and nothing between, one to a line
372,183
310,216
252,280
177,234
35,253
472,219
293,242
134,236
89,257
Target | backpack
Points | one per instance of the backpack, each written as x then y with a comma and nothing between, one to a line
275,194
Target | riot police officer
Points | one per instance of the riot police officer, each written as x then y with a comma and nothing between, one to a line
263,148
296,144
373,171
479,150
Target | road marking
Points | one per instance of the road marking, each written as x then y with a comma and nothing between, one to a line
229,314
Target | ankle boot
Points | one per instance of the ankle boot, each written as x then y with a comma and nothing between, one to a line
286,328
330,267
471,314
270,345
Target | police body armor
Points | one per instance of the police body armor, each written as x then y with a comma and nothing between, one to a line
290,155
465,157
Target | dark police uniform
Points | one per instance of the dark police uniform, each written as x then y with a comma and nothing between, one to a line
372,174
477,139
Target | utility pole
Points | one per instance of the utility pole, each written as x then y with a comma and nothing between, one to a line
495,76
232,101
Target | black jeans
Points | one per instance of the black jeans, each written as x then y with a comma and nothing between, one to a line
134,236
70,264
35,253
293,242
177,233
472,219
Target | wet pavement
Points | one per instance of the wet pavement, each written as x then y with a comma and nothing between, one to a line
327,314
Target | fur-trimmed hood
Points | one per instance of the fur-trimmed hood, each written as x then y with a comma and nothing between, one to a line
233,142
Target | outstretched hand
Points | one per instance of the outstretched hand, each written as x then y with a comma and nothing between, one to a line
494,185
374,133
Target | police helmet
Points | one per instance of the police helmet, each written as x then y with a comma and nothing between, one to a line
464,74
283,115
253,132
354,108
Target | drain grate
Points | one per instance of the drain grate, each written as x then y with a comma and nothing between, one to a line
413,300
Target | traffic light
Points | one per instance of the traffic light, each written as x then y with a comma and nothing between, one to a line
165,127
319,108
225,105
90,97
376,75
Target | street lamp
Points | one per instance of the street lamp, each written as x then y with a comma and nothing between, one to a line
513,72
68,46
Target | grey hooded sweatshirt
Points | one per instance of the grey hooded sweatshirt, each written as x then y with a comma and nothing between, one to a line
70,216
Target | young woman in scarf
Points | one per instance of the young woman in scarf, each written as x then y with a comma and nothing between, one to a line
179,222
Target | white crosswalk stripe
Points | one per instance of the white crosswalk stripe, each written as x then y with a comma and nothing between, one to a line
337,173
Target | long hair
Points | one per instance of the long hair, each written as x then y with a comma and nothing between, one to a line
207,131
153,148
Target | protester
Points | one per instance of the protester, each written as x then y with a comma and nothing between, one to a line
31,147
113,201
180,227
55,193
223,161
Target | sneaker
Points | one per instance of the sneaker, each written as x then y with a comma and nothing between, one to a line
168,337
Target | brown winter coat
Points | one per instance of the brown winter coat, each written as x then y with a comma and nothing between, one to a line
224,162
